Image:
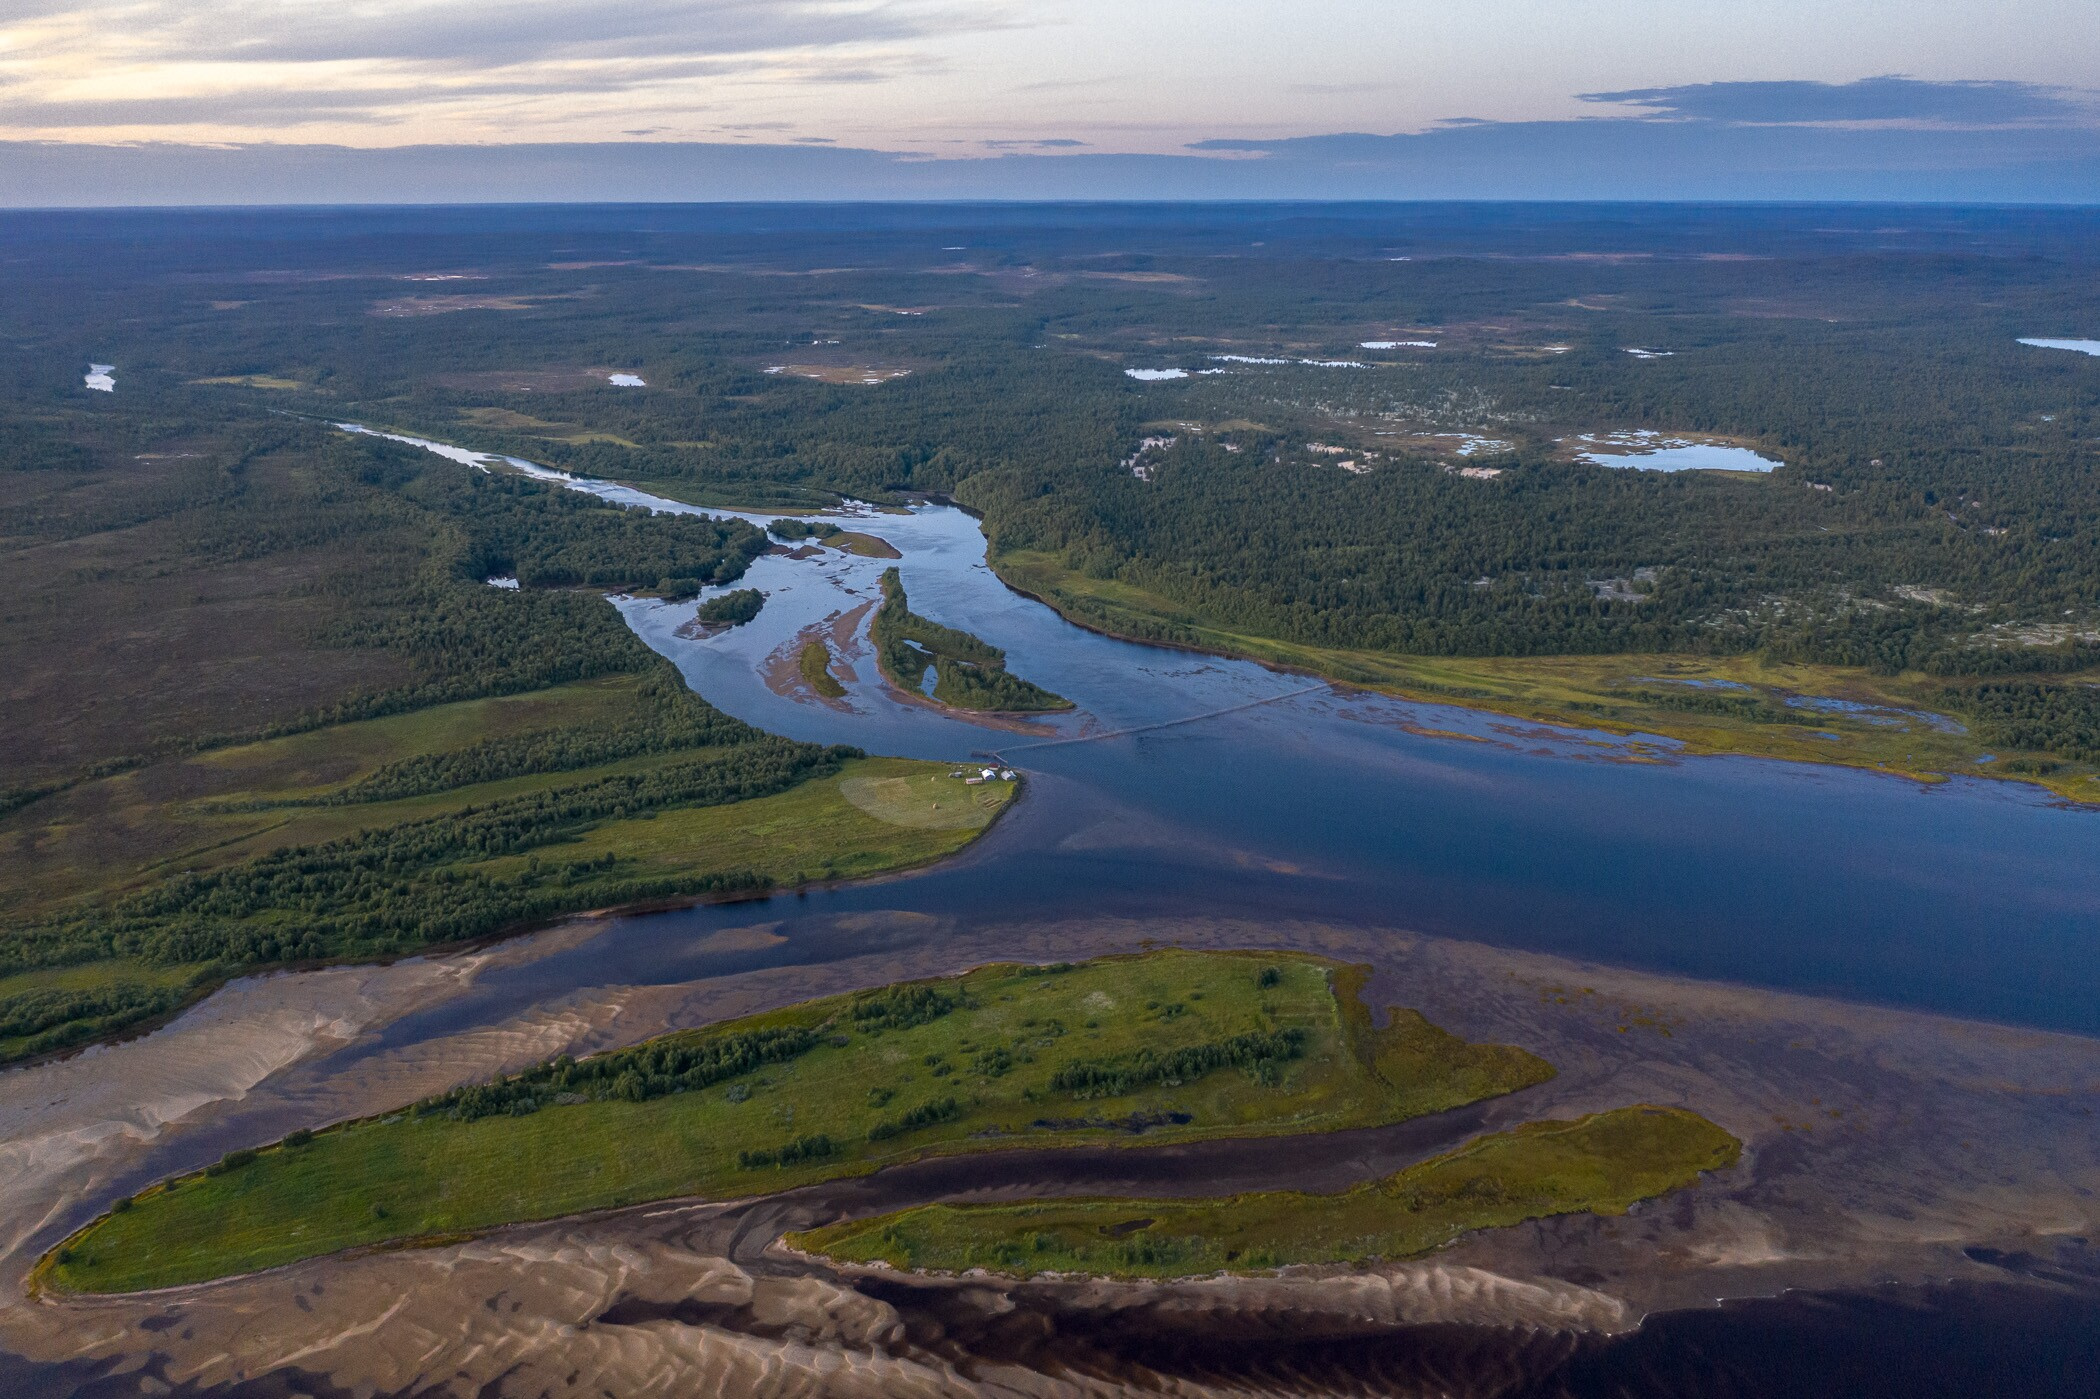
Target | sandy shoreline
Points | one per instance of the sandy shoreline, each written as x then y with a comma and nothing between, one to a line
840,632
1881,1145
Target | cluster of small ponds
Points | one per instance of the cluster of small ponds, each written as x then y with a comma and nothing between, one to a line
1883,715
1641,450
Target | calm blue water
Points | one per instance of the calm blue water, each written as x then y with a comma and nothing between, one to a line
2083,347
1204,787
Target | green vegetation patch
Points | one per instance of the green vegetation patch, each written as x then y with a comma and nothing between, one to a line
396,888
1601,1164
816,831
970,674
491,857
2036,715
1896,723
42,1012
732,609
1232,1044
547,536
815,664
927,801
803,529
866,546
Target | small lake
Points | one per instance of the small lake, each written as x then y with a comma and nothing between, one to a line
2083,347
1654,451
101,377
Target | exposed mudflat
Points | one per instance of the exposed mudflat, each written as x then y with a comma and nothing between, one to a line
1882,1146
840,633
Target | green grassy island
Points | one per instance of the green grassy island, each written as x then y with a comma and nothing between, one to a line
1604,1163
814,663
1171,1046
969,674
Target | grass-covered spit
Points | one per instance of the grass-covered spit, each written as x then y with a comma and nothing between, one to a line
1604,1163
1170,1046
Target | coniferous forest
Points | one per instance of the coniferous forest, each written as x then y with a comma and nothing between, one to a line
1388,430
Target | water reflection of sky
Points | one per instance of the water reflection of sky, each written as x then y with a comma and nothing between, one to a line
2083,347
1209,787
1642,450
1297,800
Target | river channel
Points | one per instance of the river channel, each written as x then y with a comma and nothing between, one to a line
1212,799
1190,784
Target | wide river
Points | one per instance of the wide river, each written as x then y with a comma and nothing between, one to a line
1186,788
1201,785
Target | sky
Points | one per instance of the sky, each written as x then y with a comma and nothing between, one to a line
109,100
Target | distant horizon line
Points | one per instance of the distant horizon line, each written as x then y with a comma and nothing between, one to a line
1250,201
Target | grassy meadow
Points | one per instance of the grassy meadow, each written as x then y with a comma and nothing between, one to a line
110,838
1617,693
814,662
1603,1164
1162,1047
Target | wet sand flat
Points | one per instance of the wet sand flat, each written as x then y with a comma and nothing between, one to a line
1880,1145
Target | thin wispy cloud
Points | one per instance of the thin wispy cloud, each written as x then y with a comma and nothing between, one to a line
122,66
1886,100
1254,86
470,31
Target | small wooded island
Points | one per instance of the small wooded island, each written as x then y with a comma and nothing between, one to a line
968,673
730,609
1169,1046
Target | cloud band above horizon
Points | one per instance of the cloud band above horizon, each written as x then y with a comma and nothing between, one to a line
1090,92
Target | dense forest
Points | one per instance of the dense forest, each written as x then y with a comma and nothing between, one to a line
405,542
733,608
968,672
1935,509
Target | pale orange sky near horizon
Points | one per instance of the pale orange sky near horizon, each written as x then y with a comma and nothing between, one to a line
949,77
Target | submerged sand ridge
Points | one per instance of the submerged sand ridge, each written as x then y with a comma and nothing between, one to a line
76,1131
69,1127
1880,1144
658,1308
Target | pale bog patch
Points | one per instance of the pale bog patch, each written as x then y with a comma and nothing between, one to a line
2083,347
923,803
840,373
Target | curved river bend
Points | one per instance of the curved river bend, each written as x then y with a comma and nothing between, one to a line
1202,785
1186,790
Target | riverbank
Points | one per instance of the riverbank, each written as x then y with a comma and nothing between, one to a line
1878,1149
1603,1164
1255,1045
1742,705
659,856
